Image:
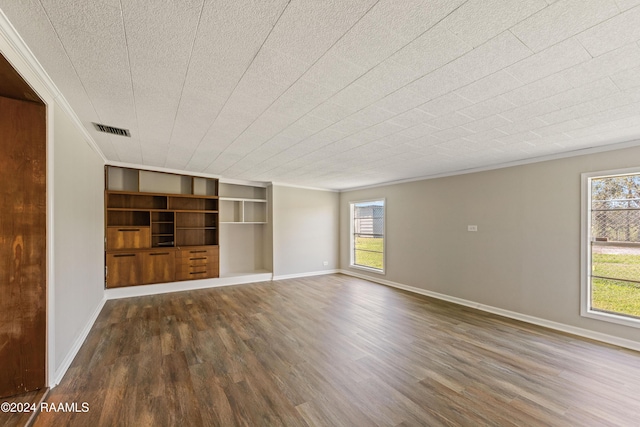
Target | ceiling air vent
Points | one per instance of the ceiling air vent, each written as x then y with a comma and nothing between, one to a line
111,129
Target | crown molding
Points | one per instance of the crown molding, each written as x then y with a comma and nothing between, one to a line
280,184
540,159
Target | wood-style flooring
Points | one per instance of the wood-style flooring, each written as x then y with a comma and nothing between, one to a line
15,418
336,351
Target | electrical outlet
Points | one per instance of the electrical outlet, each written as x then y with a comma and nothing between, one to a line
325,263
472,228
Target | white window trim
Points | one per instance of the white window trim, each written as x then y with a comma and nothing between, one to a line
384,233
585,258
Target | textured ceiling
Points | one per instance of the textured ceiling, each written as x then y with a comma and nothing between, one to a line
341,93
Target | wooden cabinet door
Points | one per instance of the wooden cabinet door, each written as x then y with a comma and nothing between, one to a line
124,269
128,237
158,266
23,249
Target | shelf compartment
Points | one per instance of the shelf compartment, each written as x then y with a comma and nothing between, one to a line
243,211
196,237
255,211
122,179
128,218
162,182
193,204
130,201
242,191
194,219
162,229
204,186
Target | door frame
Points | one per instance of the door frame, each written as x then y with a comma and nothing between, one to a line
24,66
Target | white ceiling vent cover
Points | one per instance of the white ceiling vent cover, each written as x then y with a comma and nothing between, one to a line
112,130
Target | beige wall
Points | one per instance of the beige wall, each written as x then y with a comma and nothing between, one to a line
78,233
242,249
525,256
305,230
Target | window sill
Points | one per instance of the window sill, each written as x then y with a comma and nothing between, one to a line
369,269
612,318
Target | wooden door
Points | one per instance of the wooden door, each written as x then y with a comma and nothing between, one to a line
158,266
124,269
22,246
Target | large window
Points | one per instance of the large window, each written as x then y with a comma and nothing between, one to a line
367,235
611,280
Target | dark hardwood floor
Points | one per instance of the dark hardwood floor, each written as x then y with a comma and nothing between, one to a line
336,351
18,413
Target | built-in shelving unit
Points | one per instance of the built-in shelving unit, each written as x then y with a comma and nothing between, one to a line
244,233
154,220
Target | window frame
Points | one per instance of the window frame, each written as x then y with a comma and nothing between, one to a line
352,263
585,252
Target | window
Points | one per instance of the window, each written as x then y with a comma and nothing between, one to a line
611,247
367,235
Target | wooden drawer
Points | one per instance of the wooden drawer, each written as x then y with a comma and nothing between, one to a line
128,237
196,260
197,252
124,269
186,272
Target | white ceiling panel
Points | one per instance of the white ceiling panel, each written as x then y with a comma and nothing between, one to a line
445,104
411,118
307,30
433,49
612,33
487,123
335,93
627,4
452,133
588,92
479,20
561,127
449,120
488,108
533,109
610,63
627,79
571,113
489,87
537,90
522,126
562,20
556,58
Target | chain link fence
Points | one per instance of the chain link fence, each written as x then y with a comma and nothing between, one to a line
615,244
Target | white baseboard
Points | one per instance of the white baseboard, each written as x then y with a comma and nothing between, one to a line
73,351
585,333
309,274
187,285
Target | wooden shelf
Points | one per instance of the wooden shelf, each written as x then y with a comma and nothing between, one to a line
243,199
245,222
196,228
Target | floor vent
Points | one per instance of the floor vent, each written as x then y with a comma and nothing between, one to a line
112,130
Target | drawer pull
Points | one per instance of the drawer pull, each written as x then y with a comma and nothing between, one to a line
160,253
196,259
198,272
128,229
197,252
123,255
